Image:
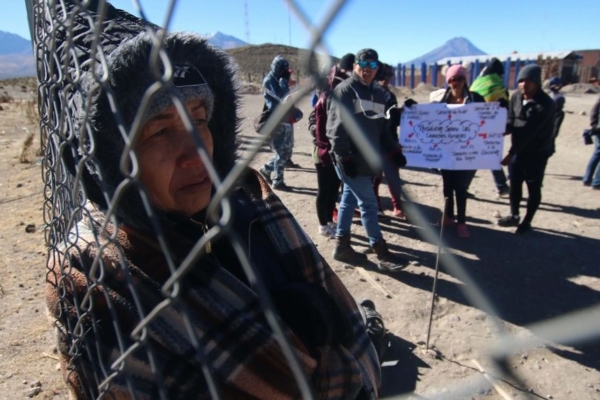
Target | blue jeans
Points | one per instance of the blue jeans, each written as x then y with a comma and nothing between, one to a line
358,191
592,173
282,142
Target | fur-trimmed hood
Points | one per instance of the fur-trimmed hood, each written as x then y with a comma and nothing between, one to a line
99,131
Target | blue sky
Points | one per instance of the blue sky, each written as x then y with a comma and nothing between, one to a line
398,30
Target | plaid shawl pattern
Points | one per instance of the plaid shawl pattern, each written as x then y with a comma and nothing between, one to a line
217,320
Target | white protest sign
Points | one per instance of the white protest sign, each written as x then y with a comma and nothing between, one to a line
456,137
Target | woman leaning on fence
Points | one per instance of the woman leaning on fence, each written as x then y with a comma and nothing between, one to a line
103,282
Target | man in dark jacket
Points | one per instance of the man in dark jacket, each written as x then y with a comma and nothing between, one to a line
531,123
365,100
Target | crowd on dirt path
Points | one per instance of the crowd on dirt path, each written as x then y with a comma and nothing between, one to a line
359,85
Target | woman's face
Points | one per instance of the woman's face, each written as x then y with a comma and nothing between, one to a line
457,83
170,167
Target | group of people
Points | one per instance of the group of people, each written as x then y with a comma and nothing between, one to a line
358,86
213,335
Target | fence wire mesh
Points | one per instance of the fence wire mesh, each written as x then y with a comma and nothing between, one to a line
85,310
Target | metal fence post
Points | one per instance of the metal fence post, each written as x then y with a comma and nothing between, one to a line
399,75
506,71
423,72
477,68
517,68
434,74
403,76
412,76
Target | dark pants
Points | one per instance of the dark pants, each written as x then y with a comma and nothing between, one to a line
328,187
455,183
528,168
499,179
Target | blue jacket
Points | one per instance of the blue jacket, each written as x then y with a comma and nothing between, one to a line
275,87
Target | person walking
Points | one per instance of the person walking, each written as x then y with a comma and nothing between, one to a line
276,87
559,104
366,101
592,172
531,124
392,174
328,182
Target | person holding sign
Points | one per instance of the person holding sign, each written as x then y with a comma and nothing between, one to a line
490,85
360,96
531,123
456,181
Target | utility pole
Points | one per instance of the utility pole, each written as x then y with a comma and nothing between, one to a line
247,21
290,25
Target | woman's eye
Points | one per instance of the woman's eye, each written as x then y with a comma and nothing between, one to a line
199,122
160,132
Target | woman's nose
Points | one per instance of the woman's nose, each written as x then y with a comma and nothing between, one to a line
188,154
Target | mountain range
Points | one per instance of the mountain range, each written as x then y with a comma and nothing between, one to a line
455,47
16,55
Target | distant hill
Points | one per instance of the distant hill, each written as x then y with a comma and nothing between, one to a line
14,44
16,56
224,41
255,61
458,46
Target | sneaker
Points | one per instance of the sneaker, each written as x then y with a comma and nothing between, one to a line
587,183
325,230
448,221
280,185
290,164
332,225
399,213
463,231
523,227
509,220
504,192
596,187
265,174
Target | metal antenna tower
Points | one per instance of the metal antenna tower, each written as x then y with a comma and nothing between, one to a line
246,21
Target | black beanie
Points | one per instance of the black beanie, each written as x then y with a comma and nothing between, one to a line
347,62
531,72
495,67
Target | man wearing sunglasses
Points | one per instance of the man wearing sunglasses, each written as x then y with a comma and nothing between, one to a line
365,101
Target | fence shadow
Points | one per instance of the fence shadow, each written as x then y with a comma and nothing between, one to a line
400,372
528,278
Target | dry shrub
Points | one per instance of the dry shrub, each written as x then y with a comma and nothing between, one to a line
6,98
26,149
30,110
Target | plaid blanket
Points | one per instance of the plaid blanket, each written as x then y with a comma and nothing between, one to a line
99,289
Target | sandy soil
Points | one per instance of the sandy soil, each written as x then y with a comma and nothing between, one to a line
551,272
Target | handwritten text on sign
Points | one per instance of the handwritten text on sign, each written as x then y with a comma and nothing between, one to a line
466,136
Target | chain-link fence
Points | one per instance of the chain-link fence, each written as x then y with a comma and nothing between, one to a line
122,336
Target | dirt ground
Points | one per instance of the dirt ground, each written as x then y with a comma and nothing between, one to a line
546,274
